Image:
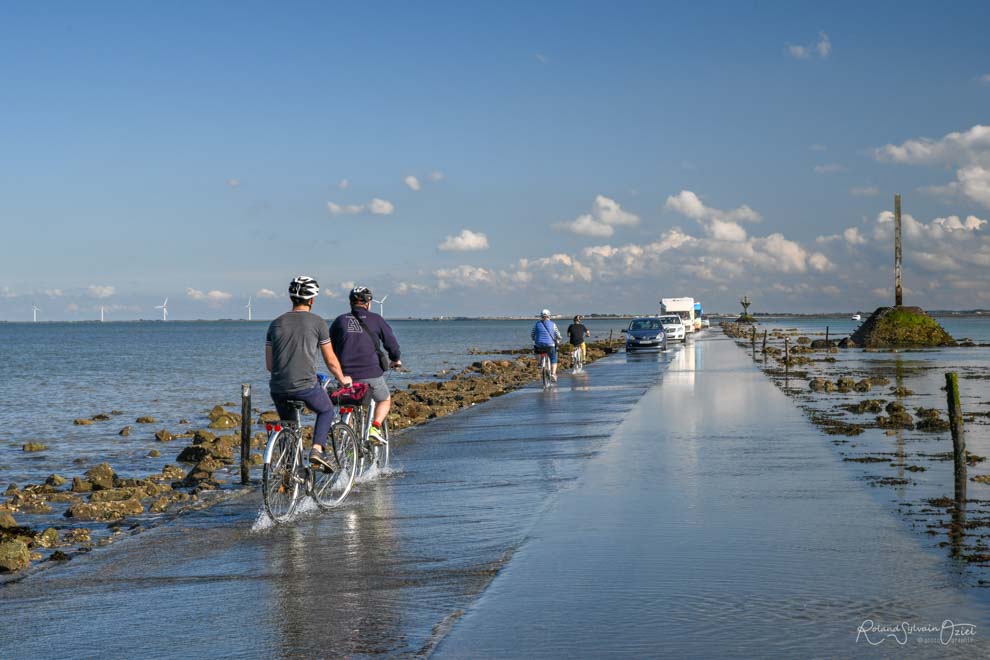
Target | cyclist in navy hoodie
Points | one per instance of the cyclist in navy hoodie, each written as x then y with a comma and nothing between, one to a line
351,335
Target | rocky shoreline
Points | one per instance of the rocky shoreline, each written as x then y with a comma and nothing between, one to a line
885,413
99,506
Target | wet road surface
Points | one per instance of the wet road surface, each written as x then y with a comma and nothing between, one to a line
717,523
389,572
657,505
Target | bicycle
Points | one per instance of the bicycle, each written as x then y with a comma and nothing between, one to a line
577,360
545,372
356,409
287,474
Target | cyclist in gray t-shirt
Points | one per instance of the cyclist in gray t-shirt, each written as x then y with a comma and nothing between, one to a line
291,347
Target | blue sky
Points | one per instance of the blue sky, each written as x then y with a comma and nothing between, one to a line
490,159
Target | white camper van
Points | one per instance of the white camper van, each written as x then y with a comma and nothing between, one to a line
683,307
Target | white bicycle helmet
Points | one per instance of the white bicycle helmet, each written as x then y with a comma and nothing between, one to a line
304,287
545,313
360,294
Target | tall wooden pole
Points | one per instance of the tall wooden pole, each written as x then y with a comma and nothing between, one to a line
245,433
898,301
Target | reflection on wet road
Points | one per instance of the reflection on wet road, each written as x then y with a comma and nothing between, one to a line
717,523
389,572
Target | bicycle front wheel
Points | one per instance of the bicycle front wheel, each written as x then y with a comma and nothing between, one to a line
279,480
330,487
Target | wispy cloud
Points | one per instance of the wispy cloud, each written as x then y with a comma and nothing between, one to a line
265,293
823,48
864,191
829,168
466,241
233,183
344,184
413,183
101,290
542,59
374,207
818,147
984,79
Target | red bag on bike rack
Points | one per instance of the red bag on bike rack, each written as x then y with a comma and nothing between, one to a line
354,394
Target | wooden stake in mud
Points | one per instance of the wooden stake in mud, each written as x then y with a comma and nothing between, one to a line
246,433
897,251
958,433
764,342
752,340
826,336
787,353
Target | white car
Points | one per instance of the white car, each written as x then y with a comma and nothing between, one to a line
673,326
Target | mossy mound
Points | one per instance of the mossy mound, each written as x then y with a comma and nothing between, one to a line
746,318
893,327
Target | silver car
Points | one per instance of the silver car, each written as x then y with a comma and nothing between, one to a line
673,326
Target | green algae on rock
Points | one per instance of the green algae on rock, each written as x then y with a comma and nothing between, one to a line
895,327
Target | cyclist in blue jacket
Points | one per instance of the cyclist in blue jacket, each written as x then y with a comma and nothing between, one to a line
545,335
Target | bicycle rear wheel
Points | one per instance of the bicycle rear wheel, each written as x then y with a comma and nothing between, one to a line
330,487
280,484
545,372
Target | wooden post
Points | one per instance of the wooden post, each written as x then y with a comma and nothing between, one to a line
958,433
898,300
245,433
610,337
752,340
764,342
826,336
787,353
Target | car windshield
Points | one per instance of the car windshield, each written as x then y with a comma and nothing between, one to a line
645,324
671,320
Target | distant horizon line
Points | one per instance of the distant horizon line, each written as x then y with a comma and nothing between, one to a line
935,312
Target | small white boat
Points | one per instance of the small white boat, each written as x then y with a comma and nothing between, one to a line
857,317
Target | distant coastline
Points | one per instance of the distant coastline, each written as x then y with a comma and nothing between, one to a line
969,313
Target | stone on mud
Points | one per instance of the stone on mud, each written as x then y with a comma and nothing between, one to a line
14,555
101,476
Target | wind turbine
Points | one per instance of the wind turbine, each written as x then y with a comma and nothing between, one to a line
381,305
164,309
101,313
35,309
249,308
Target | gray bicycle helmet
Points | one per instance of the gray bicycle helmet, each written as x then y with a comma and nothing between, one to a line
303,287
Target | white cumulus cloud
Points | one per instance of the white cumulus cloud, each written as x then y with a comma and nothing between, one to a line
265,293
465,241
413,183
606,213
215,298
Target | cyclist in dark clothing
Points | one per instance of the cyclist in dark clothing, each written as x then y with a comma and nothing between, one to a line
351,336
576,333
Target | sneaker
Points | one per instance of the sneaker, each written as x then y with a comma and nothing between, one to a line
553,378
317,457
375,435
